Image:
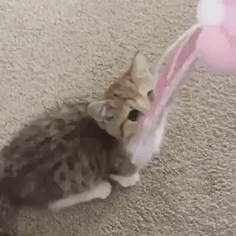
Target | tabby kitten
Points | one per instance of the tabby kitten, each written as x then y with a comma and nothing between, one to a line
69,155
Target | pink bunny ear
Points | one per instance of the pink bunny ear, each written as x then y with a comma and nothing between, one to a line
180,58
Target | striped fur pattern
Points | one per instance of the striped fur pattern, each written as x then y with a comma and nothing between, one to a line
69,155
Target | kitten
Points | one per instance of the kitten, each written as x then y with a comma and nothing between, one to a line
70,155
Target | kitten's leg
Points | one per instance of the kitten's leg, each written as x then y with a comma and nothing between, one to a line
101,190
126,181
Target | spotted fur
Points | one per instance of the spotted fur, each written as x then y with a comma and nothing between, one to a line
69,155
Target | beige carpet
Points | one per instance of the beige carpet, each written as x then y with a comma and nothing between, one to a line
55,50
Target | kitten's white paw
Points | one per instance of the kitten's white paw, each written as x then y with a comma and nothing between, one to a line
133,180
126,181
103,190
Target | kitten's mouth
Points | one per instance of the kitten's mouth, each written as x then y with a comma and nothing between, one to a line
128,139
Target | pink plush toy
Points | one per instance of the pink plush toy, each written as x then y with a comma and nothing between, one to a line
216,44
212,42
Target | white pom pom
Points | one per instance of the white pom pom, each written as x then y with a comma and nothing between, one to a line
210,12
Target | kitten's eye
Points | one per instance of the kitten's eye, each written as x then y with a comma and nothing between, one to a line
134,115
150,95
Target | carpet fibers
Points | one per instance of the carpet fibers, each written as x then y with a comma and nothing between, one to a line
57,50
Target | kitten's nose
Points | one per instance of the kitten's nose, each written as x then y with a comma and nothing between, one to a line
143,104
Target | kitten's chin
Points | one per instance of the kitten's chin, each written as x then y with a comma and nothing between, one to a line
129,143
128,140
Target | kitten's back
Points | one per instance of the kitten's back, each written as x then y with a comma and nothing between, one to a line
56,156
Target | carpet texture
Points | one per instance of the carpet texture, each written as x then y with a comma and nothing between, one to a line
57,50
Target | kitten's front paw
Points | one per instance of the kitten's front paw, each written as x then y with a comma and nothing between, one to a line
104,190
131,181
126,181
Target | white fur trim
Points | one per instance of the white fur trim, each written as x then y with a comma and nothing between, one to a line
126,181
210,12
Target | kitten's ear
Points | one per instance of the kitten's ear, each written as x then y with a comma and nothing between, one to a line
101,110
140,68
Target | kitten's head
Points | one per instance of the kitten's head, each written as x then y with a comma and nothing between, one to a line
125,101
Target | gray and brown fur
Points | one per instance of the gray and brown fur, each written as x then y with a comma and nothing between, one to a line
70,149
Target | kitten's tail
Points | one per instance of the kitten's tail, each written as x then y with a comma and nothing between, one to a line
8,216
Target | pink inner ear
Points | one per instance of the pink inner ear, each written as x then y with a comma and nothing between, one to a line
181,58
168,80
